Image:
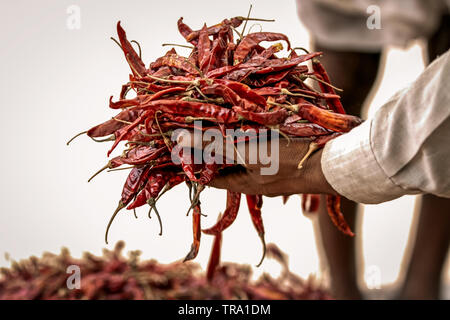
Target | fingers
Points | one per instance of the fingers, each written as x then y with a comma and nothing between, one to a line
235,182
243,182
214,146
278,175
225,182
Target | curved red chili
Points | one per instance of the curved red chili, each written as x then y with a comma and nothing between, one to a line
329,120
251,40
230,214
303,129
334,211
254,203
135,62
109,127
265,118
185,31
335,103
196,230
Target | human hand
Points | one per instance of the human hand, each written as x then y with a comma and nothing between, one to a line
247,177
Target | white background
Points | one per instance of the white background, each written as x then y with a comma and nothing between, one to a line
56,82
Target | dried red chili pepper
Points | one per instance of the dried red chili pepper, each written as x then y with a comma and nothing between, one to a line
334,211
303,129
267,79
143,154
329,120
174,60
194,109
265,118
109,127
185,31
143,99
127,129
188,167
209,172
252,40
336,104
282,64
156,182
196,234
254,203
228,95
219,72
243,69
135,62
230,214
203,48
134,179
243,91
235,22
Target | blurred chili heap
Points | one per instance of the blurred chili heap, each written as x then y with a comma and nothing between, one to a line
113,276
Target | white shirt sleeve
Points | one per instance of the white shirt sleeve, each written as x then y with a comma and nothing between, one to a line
403,149
351,24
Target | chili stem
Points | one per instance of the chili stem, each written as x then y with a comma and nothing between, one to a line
216,101
173,81
201,93
256,19
117,42
287,92
255,24
152,203
119,169
300,48
166,140
312,147
195,67
139,46
275,128
76,136
132,67
189,185
293,108
195,201
178,45
128,122
99,171
164,190
119,207
190,119
246,20
324,82
139,82
134,209
264,250
238,33
110,138
126,92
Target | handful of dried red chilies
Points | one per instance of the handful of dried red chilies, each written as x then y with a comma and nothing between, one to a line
226,83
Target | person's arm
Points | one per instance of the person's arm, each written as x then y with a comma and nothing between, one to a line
403,149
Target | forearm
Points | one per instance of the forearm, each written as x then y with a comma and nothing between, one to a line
402,149
350,167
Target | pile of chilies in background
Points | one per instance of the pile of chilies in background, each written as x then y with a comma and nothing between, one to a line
226,83
116,277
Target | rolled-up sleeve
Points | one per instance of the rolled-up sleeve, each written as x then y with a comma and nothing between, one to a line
403,149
